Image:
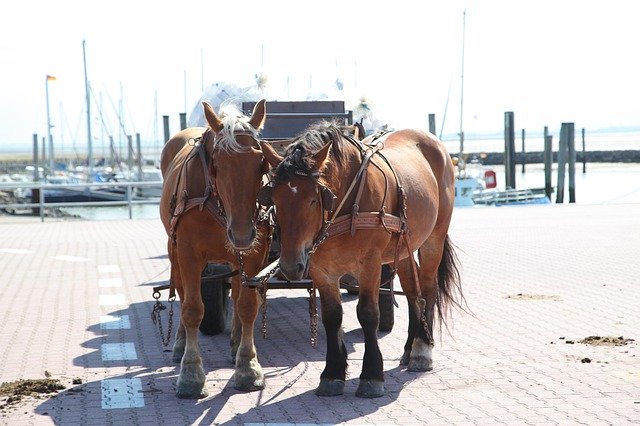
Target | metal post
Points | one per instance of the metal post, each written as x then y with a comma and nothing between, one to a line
36,175
49,125
89,139
35,192
130,156
461,134
183,120
139,158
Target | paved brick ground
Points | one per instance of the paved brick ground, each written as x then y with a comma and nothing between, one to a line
536,279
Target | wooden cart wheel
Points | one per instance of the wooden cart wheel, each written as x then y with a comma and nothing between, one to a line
215,296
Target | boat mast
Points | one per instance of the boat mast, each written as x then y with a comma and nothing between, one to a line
464,14
86,88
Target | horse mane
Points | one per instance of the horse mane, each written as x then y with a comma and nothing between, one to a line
233,120
298,156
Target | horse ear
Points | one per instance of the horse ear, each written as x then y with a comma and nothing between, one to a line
320,157
259,114
270,154
358,131
214,121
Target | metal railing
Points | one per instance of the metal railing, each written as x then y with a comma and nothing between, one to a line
128,198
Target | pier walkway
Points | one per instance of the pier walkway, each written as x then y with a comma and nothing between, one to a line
76,302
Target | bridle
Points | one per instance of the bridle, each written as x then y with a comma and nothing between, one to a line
327,204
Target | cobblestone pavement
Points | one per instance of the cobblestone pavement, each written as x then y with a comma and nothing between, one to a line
76,300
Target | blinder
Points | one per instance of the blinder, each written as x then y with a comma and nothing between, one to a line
327,197
264,196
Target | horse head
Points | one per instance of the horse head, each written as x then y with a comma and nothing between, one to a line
236,166
301,199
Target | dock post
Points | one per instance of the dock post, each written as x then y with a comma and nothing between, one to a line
562,162
432,123
523,154
548,162
584,154
571,145
165,122
509,151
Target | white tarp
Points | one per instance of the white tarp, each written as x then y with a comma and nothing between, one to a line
224,93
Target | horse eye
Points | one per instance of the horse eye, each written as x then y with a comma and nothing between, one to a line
313,202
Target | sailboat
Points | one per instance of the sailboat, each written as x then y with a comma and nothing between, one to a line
466,185
476,185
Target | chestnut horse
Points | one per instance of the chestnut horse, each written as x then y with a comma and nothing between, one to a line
394,195
208,208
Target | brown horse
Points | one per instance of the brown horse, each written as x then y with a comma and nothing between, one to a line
208,207
388,203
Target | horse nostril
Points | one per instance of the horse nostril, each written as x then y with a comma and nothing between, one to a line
300,268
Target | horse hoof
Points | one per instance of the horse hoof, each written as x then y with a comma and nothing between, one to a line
248,383
420,364
330,387
370,389
192,391
405,358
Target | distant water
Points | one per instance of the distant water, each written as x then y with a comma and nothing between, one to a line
603,183
594,141
139,211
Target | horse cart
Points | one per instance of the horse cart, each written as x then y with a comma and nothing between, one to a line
285,121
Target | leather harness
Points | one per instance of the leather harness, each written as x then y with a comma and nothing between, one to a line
210,200
350,222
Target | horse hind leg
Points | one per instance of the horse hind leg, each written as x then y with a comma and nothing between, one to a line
417,306
418,348
439,280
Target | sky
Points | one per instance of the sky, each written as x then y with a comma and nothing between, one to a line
547,61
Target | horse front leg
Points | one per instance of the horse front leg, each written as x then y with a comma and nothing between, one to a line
176,281
248,374
372,376
191,379
333,376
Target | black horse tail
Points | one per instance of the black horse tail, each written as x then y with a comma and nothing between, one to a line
449,283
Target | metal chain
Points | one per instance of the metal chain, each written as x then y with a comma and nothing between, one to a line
263,308
313,315
157,318
243,273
